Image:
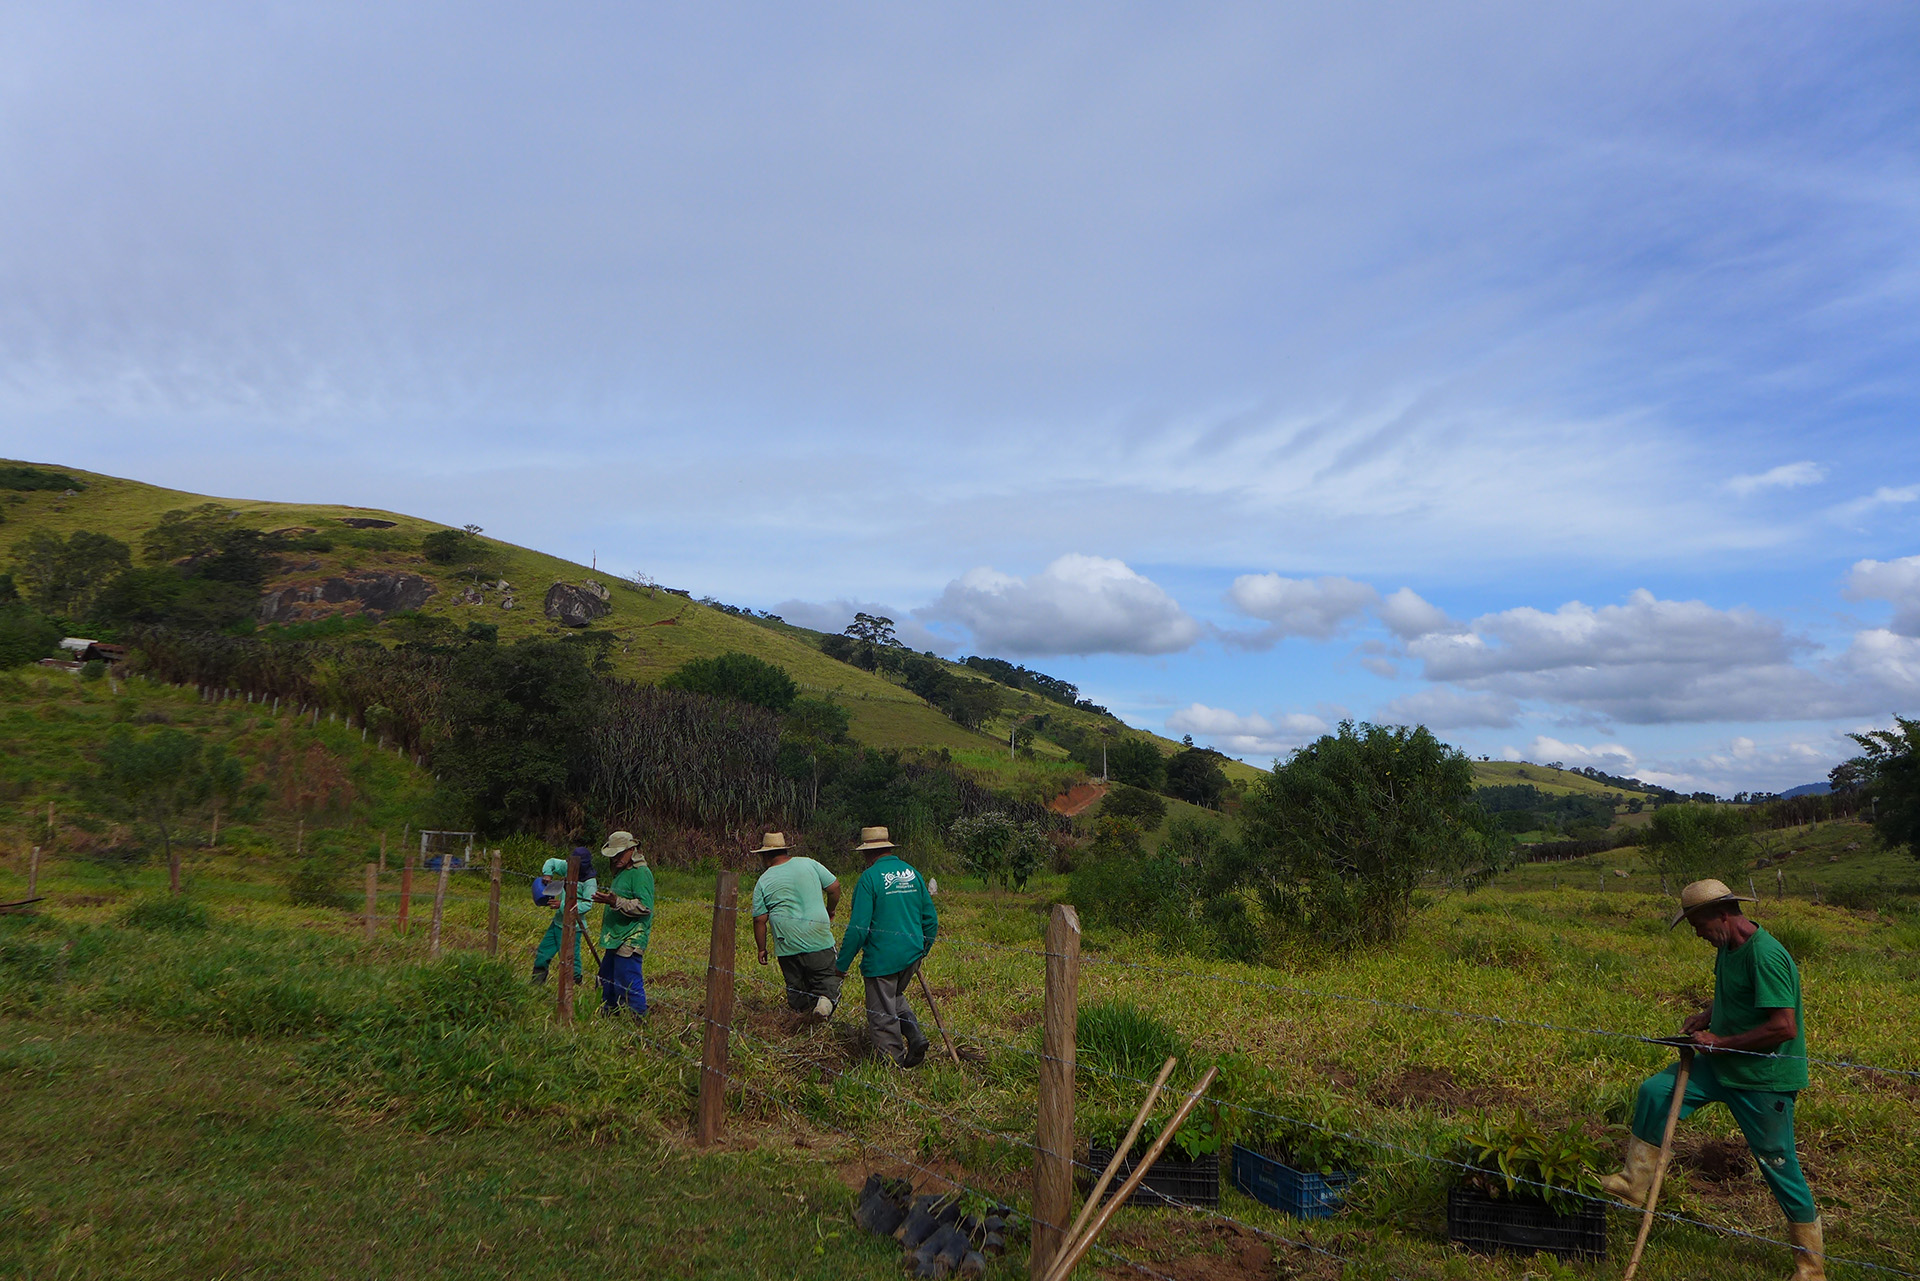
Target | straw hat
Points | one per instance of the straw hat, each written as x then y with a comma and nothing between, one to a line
773,843
618,844
873,838
1705,894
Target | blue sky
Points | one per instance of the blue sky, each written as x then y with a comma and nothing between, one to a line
1545,373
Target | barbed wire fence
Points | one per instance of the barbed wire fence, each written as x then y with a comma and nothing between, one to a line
719,1030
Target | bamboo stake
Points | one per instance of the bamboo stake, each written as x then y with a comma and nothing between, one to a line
1120,1155
33,872
1071,1254
1660,1169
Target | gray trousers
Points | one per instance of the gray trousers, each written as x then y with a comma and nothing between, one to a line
810,976
890,1021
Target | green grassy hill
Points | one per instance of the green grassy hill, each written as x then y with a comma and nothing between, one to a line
1559,782
656,630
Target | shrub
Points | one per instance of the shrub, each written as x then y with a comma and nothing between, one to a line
1804,942
996,848
25,635
1136,762
1517,1158
741,677
174,914
445,546
316,883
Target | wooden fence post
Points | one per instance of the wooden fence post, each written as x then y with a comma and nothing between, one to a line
215,838
1053,1132
721,959
383,853
173,870
33,872
439,902
493,908
564,1000
299,837
373,894
406,888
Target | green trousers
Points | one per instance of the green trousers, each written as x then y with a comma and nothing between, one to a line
550,945
1764,1117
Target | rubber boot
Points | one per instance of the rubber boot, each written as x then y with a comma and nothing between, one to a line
1634,1182
1809,1251
539,975
916,1041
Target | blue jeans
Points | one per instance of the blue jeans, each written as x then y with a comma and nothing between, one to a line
1766,1118
621,980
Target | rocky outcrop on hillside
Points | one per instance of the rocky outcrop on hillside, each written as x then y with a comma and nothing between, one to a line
572,606
374,593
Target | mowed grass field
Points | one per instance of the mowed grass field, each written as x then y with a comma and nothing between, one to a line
277,1095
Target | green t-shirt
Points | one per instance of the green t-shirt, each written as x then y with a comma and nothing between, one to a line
791,895
1749,980
617,927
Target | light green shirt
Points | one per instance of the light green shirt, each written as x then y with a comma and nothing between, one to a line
792,896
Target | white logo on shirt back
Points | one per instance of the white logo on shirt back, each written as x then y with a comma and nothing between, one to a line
901,879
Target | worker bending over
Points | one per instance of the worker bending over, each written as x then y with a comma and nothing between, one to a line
793,901
893,922
549,888
1755,1008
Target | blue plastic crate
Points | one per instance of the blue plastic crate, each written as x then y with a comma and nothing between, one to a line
1274,1183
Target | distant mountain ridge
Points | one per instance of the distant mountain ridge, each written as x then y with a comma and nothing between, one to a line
1807,789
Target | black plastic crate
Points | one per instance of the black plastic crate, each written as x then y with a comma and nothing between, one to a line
1170,1182
1301,1193
1481,1223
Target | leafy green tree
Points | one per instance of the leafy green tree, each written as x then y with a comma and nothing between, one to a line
1891,770
161,777
517,718
1137,763
64,576
165,597
26,635
1340,836
1195,775
445,546
737,676
187,534
1691,842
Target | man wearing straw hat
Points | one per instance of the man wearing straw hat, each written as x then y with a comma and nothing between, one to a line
626,920
794,901
893,922
1755,1009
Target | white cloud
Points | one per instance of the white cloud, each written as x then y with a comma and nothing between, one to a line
1248,735
1611,757
1077,605
1441,708
1890,580
1785,476
1744,765
1885,496
1408,616
834,615
1316,608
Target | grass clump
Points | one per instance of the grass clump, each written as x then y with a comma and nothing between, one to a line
1118,1036
173,914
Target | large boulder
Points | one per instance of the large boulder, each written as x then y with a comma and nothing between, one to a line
572,606
375,594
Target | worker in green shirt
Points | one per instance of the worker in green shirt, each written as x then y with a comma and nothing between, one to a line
626,921
893,922
1752,1056
549,888
793,901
